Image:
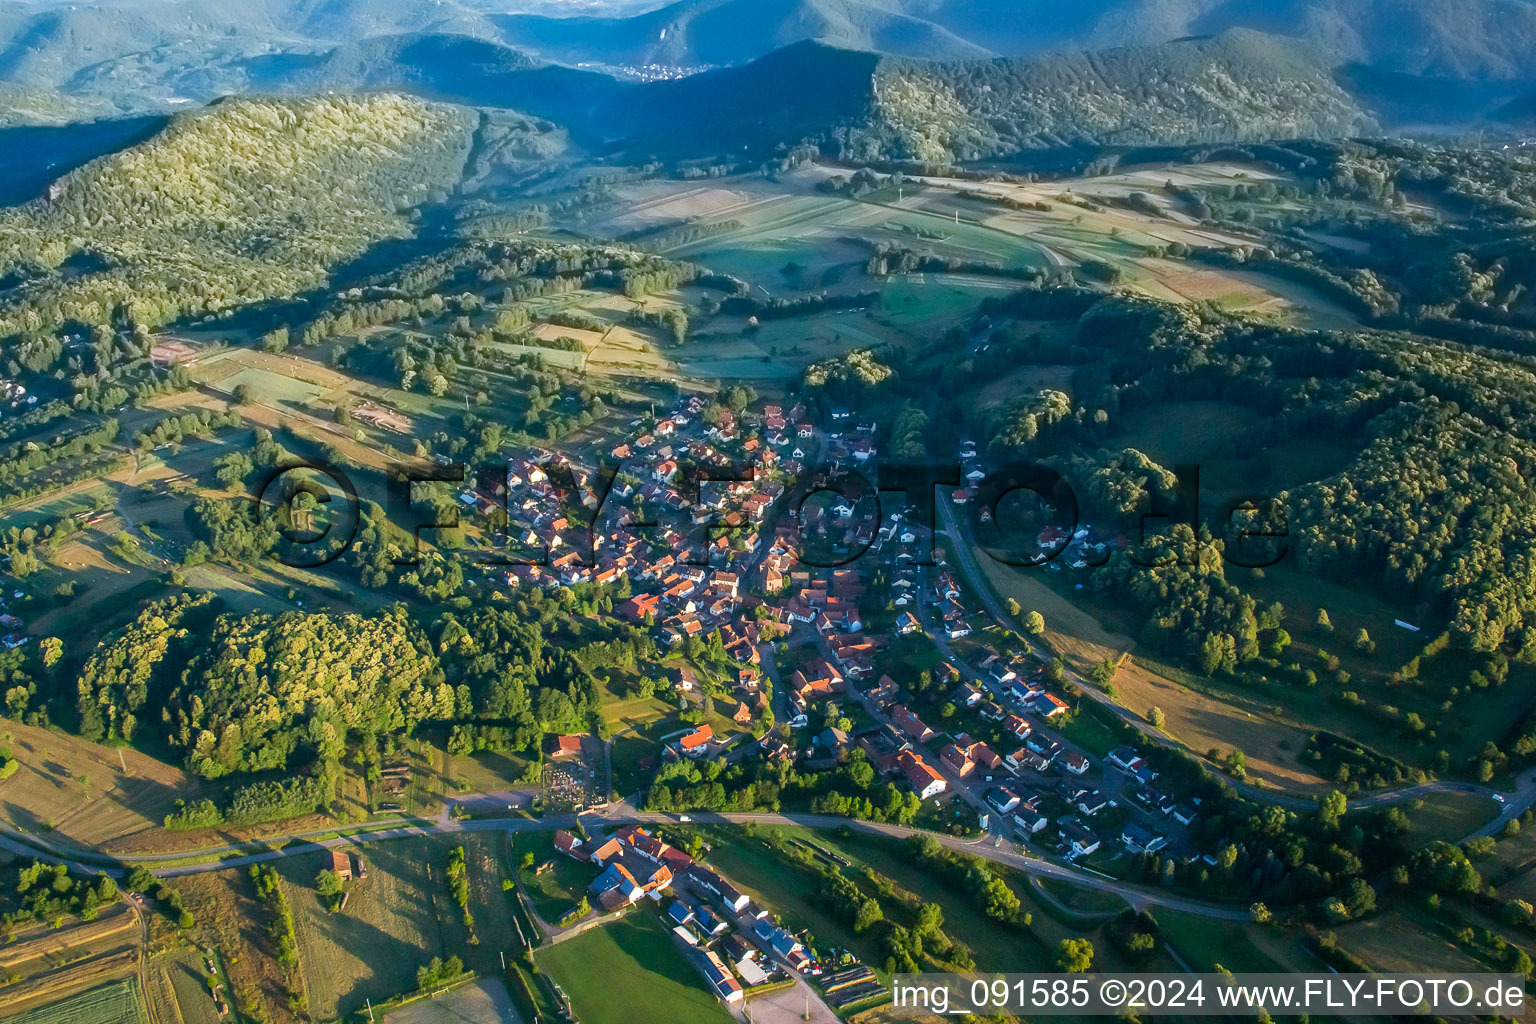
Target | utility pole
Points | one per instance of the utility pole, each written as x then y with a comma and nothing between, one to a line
370,1007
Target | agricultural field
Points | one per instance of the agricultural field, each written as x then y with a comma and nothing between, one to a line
484,1002
396,919
38,950
117,1003
609,971
39,998
79,792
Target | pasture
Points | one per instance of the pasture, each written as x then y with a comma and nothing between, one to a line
610,971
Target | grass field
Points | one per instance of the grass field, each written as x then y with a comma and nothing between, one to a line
117,1003
1205,942
484,1002
77,791
629,971
1448,816
396,919
1398,941
555,890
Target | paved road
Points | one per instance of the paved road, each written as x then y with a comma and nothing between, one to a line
993,848
1514,804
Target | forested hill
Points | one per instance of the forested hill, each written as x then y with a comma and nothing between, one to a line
246,200
1239,86
1235,87
448,67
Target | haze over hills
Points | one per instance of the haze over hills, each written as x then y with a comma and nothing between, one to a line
1235,87
1337,63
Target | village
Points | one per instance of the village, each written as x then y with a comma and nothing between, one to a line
828,660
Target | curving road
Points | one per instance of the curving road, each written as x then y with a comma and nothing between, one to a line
990,848
1514,805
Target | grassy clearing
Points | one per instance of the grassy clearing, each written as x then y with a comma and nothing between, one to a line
1448,816
1184,432
1026,380
633,962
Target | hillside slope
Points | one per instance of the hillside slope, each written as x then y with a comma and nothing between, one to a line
725,32
247,200
1239,86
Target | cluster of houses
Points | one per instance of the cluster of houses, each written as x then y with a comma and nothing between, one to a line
684,589
734,943
635,865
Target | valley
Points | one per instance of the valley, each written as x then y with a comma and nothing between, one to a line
702,511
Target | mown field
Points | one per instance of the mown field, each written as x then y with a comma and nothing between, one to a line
77,791
483,1002
396,919
117,1003
610,972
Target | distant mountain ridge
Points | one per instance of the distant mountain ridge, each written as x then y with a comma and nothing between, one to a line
61,60
1236,87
